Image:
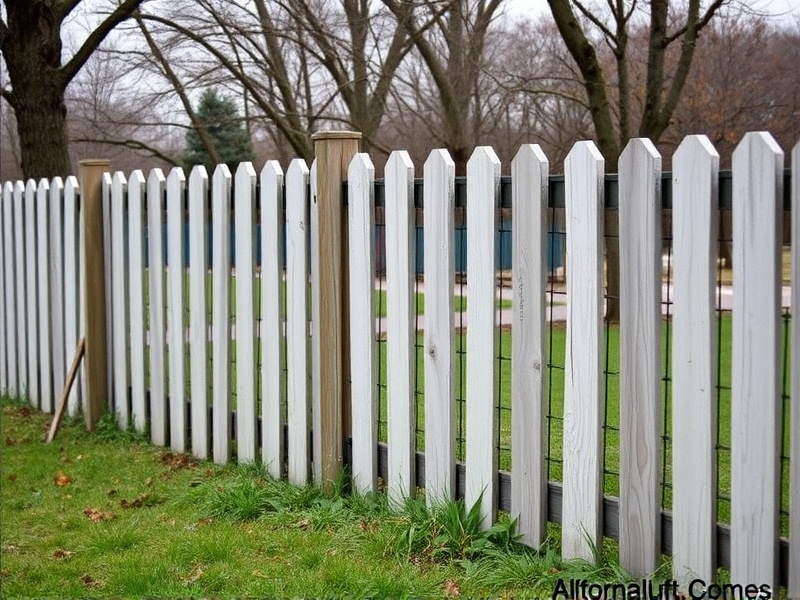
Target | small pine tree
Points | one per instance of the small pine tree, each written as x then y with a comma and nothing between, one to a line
221,119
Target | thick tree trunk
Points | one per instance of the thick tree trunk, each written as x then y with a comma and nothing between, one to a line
41,121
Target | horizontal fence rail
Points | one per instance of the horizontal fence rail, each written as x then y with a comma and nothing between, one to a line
479,362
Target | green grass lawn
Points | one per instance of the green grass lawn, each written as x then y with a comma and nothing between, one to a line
106,514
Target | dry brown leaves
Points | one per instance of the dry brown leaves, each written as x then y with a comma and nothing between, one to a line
61,479
97,515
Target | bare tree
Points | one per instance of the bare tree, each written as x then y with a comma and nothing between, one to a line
31,46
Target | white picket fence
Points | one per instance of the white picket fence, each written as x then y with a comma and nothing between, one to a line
42,311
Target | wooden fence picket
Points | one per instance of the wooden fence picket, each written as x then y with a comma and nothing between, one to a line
5,285
272,421
44,245
695,177
640,356
529,181
316,369
56,274
109,284
794,450
363,366
19,286
756,372
221,316
439,202
198,309
120,302
297,321
136,278
400,329
176,184
31,284
246,401
483,192
157,333
71,282
583,394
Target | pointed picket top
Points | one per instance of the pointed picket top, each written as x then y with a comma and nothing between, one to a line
530,171
363,366
176,179
400,329
316,369
31,284
583,396
45,301
136,239
198,309
118,180
640,367
296,322
794,411
272,421
756,371
439,202
244,215
21,288
12,386
220,317
483,191
155,179
695,182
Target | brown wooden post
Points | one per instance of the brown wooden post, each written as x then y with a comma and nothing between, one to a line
91,178
334,150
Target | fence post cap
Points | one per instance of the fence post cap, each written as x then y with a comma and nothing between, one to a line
336,135
94,162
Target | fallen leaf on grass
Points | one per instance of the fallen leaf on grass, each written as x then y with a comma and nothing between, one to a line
10,442
112,493
176,462
90,582
10,549
451,588
61,479
98,515
62,554
12,477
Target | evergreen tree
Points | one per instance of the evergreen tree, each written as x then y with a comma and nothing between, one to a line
219,117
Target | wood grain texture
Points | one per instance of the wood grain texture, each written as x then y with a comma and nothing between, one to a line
23,384
157,334
246,401
137,185
8,362
695,176
272,378
529,186
221,315
176,341
297,347
583,393
45,306
640,356
755,365
400,329
483,192
31,285
333,151
439,202
363,365
794,452
198,309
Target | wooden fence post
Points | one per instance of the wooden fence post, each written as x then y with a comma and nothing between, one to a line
91,175
334,150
